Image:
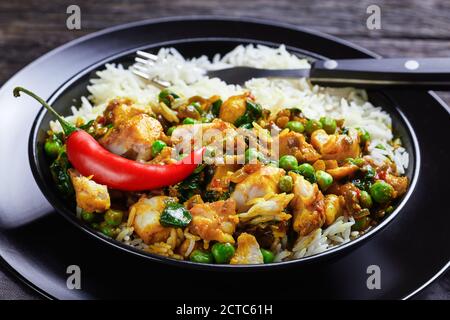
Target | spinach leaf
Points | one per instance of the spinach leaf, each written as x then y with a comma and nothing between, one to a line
215,109
213,195
60,175
190,186
175,215
252,113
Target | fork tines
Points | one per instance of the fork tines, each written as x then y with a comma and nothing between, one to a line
144,60
147,56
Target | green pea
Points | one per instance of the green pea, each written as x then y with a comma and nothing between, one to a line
361,224
201,256
356,161
324,180
307,171
295,126
381,192
87,216
170,130
328,124
210,152
251,154
52,148
189,121
288,162
389,210
268,256
364,136
286,184
113,217
312,125
157,146
107,229
222,252
365,199
380,146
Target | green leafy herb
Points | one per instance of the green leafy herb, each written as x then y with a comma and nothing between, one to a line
167,97
252,113
60,175
215,109
190,186
175,215
214,195
53,146
197,107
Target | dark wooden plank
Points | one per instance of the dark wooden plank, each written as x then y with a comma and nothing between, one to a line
411,19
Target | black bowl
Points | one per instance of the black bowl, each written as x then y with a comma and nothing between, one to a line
69,94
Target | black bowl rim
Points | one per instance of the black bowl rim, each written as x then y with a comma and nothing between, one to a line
70,216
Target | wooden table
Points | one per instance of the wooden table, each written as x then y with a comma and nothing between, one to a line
416,28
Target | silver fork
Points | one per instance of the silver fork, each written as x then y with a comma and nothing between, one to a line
425,73
144,61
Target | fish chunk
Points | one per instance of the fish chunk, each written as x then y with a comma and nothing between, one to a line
119,110
256,185
144,217
90,196
336,146
265,210
248,251
307,205
134,137
294,144
400,184
214,221
233,108
333,208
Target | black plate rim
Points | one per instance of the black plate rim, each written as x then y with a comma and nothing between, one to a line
98,33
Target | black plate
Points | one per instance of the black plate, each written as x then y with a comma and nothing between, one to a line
31,238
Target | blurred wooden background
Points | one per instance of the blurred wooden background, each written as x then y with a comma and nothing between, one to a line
415,28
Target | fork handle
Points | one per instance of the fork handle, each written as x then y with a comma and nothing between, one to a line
426,73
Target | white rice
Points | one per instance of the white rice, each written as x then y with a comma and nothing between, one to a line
188,80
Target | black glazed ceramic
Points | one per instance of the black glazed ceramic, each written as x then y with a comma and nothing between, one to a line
38,244
69,94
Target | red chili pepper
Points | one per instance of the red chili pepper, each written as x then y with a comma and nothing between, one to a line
90,159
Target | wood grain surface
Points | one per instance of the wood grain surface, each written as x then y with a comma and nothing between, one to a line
415,28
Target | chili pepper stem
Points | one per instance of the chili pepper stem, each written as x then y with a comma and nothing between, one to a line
67,127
